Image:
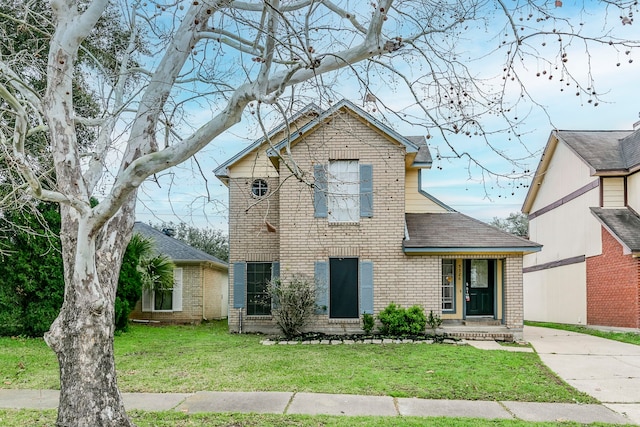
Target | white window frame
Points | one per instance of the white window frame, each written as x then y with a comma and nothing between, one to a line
448,283
343,191
149,296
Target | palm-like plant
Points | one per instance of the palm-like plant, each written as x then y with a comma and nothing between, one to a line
156,272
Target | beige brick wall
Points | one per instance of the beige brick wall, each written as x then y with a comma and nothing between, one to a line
514,304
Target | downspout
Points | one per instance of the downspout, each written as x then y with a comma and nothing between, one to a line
204,299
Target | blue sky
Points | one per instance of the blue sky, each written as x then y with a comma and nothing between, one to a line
182,194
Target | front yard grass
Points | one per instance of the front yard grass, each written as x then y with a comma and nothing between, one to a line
206,357
32,418
626,337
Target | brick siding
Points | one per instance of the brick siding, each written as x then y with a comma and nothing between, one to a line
301,239
613,286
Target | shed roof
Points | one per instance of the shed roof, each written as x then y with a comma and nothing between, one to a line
456,232
176,249
623,224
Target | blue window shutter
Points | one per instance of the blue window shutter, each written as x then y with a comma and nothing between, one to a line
239,284
366,287
275,275
366,191
322,286
320,191
275,270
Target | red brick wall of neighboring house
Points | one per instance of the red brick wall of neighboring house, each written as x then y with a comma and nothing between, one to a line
613,286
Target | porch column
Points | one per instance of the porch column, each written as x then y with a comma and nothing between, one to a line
513,295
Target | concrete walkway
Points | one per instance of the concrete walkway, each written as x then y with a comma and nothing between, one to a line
332,404
607,370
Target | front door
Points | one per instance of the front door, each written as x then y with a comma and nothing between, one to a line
480,285
343,288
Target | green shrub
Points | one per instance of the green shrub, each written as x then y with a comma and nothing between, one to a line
400,321
368,321
294,303
32,275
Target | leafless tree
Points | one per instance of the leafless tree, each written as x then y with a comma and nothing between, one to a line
221,59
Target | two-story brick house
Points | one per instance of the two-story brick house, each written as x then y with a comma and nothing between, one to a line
356,220
583,206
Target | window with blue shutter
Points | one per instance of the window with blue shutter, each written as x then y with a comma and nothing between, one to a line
320,191
239,284
366,287
275,276
343,191
366,191
321,275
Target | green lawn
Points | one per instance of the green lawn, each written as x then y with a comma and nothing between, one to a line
206,357
626,337
19,418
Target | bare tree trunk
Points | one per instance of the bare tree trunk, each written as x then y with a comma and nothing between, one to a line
82,335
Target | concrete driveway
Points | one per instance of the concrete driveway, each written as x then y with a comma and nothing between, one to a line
605,369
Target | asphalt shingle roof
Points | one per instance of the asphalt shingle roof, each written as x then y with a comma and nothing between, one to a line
624,223
453,230
174,248
604,150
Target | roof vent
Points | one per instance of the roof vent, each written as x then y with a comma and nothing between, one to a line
169,232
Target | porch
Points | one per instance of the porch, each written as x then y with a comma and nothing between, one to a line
480,329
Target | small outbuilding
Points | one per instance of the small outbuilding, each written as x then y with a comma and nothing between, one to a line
200,290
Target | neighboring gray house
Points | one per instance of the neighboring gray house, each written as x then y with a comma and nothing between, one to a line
200,290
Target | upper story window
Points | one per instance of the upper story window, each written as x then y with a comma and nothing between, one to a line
343,191
259,188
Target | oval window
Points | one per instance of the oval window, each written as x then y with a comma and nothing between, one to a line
259,188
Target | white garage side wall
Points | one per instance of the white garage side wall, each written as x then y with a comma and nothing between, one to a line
567,231
565,174
556,295
633,191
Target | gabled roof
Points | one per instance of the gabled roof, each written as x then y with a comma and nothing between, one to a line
175,249
409,143
453,232
606,152
624,226
222,171
413,144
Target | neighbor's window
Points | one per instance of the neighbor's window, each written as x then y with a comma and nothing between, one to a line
259,188
163,299
448,284
258,298
343,188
